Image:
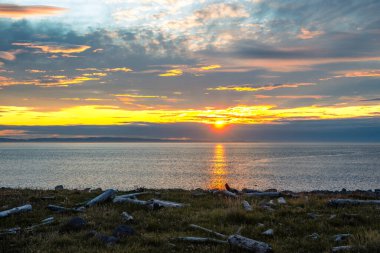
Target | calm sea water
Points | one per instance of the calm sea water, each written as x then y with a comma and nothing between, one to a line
191,165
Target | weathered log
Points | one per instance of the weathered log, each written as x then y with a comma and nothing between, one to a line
200,240
209,231
247,206
263,194
106,195
229,194
130,200
341,248
239,241
344,202
46,221
20,209
165,203
341,237
249,244
61,209
132,195
10,231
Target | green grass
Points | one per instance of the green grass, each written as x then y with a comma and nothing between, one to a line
155,229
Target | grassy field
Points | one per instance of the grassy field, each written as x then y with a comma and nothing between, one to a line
292,223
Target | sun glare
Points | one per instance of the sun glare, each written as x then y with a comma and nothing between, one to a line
219,124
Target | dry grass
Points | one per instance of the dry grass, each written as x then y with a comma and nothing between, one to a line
155,229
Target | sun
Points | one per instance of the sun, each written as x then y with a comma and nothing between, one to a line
220,124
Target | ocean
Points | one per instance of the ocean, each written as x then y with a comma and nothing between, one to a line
284,166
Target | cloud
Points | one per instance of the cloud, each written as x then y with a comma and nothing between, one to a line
221,10
241,114
12,133
48,81
53,48
210,67
249,88
172,72
22,11
359,73
123,69
9,55
35,71
306,34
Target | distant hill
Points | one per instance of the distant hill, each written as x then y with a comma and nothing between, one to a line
90,139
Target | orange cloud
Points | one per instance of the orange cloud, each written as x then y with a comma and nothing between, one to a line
54,48
20,11
306,34
35,71
12,132
360,73
247,88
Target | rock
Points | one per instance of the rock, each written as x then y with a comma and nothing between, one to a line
126,217
59,187
108,240
123,231
268,232
74,224
247,206
281,201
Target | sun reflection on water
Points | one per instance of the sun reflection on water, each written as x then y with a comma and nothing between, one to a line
218,168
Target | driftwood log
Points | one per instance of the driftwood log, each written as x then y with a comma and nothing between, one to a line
106,195
195,239
20,209
249,244
10,231
229,194
130,200
46,221
235,241
344,202
120,198
61,209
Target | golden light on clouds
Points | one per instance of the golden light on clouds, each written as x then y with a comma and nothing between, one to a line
114,115
210,67
53,48
172,72
260,88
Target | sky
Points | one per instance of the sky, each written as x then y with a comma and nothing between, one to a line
248,70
